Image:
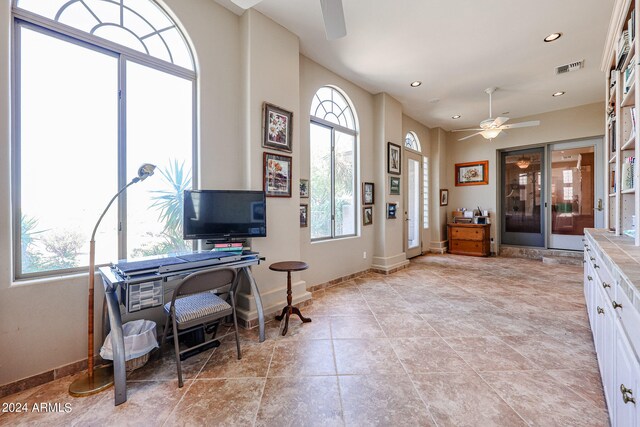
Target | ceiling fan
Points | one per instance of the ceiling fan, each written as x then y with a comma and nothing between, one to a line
332,13
490,128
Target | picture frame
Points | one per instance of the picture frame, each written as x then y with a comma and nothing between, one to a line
394,186
391,210
444,197
277,124
277,175
394,158
367,215
304,188
472,173
368,197
304,215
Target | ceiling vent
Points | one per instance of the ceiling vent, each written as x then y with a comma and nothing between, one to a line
567,68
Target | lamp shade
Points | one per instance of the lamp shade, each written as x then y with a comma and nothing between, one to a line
490,133
146,170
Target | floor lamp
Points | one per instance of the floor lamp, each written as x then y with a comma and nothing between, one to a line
96,380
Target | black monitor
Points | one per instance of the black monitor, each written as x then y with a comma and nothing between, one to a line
224,215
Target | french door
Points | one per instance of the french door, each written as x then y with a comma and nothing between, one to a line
413,204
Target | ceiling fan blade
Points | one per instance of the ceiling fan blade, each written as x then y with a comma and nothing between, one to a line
333,15
500,121
470,136
246,4
464,130
521,124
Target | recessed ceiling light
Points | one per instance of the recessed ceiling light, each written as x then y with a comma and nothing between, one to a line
457,116
416,83
558,94
552,37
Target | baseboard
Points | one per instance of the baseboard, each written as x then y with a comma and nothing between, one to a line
337,281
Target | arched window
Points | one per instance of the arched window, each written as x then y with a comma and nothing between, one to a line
411,141
333,165
101,86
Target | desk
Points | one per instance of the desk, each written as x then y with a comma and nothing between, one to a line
114,281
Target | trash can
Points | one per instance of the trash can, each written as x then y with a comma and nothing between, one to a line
139,340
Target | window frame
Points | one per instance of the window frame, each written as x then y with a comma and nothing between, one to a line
24,19
356,196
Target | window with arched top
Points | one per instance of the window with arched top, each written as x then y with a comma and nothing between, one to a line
411,141
333,165
101,87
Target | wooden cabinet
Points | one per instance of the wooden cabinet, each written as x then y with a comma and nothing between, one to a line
469,239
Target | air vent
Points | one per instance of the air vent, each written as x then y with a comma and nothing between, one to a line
574,66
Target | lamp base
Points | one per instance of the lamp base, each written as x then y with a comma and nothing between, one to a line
87,385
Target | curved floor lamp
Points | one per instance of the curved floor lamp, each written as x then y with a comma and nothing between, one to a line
96,380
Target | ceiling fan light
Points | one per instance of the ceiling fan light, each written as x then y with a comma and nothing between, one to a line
523,163
490,133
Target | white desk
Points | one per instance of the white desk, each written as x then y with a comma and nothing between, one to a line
114,281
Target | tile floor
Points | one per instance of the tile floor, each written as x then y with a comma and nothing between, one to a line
450,341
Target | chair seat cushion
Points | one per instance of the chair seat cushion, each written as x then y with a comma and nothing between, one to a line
197,306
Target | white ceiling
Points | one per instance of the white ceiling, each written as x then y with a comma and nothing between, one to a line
458,48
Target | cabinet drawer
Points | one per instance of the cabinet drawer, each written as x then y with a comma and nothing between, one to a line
628,315
467,233
467,246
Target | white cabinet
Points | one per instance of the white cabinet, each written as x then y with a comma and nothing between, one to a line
627,379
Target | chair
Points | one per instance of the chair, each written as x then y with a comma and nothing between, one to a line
194,304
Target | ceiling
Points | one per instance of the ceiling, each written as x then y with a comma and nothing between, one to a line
458,48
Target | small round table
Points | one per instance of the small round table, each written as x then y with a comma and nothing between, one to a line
289,266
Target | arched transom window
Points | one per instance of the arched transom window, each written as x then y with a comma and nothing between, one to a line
334,193
411,141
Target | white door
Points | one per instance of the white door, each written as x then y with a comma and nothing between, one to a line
575,189
413,204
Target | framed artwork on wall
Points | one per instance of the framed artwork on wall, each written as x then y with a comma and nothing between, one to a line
277,125
277,175
393,158
304,215
444,197
391,210
367,215
472,173
394,186
304,188
367,193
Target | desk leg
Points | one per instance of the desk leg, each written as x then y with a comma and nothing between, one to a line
256,296
117,343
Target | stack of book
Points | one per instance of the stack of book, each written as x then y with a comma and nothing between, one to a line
624,43
629,74
628,173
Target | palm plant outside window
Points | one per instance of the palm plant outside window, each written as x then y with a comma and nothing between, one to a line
333,149
121,94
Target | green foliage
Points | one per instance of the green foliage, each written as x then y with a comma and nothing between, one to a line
28,237
62,249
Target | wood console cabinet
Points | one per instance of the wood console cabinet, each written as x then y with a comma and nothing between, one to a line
469,239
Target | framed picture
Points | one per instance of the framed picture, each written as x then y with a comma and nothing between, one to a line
393,158
304,215
367,193
472,173
304,188
391,210
444,197
277,124
394,186
277,175
367,215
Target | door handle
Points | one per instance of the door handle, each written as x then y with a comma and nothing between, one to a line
599,207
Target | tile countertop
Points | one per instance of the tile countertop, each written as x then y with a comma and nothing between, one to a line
621,257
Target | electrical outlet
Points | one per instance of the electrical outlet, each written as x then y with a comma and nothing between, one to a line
364,255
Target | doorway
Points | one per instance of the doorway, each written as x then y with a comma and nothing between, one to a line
413,204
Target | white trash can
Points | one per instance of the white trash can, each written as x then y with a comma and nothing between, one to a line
139,340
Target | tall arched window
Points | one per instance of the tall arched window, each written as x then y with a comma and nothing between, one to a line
411,141
101,87
333,165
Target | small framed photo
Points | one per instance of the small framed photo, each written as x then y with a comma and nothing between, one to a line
304,188
472,173
367,193
277,175
367,215
391,210
394,186
304,215
393,158
277,124
444,197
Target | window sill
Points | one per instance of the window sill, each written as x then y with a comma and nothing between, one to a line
335,239
30,281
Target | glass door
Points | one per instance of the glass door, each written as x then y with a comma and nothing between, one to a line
413,204
522,195
575,194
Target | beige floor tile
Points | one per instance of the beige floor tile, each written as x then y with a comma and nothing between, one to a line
382,400
464,399
405,325
455,325
224,361
489,354
424,355
301,401
365,357
302,358
548,352
163,368
355,327
586,383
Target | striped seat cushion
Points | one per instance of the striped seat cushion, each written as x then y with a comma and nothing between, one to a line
197,306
